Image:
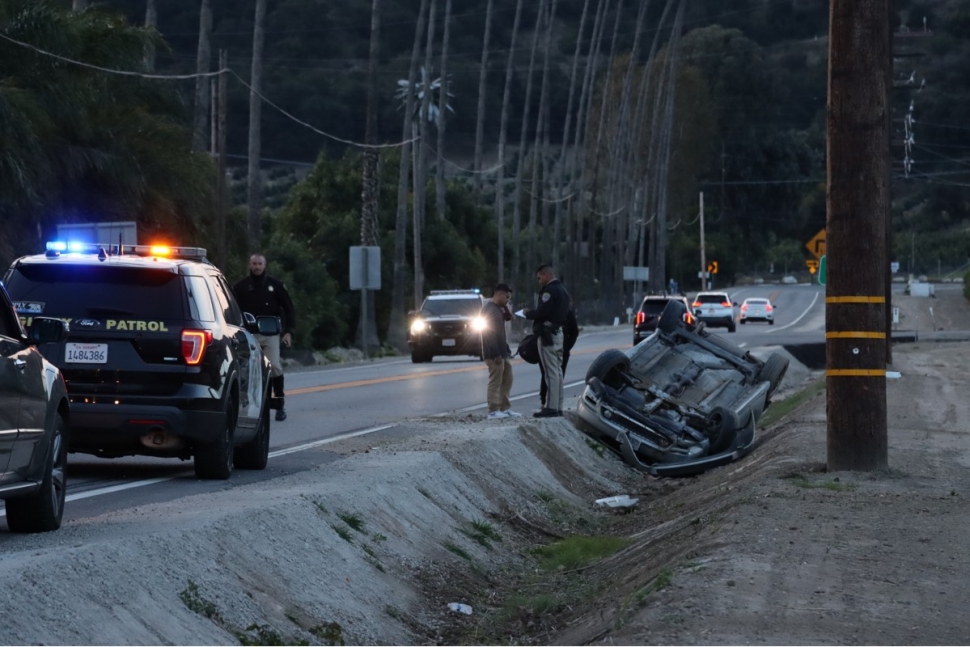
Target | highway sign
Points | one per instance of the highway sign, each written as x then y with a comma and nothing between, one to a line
821,270
812,265
817,244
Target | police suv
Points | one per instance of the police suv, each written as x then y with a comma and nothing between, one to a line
159,361
448,323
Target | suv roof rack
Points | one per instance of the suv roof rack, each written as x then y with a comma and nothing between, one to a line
56,248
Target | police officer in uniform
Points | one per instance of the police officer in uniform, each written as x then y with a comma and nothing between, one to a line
261,295
547,322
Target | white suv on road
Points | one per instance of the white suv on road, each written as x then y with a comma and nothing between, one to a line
715,309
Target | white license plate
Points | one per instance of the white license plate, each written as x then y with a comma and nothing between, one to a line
447,342
86,353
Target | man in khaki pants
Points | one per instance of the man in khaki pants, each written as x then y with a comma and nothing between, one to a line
498,356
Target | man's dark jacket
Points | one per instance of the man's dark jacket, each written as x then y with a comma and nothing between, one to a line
494,342
263,296
553,308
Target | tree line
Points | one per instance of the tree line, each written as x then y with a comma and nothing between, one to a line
597,123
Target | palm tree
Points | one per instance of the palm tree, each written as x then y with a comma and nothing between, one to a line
523,132
482,77
557,223
443,108
255,113
503,127
202,83
151,20
421,161
396,332
370,190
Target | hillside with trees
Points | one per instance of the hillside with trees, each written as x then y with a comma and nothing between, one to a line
469,140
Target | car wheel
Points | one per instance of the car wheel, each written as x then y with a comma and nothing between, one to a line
610,368
722,427
42,510
771,322
744,321
671,317
214,460
420,357
731,327
773,371
254,455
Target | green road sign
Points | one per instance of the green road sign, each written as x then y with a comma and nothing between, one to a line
821,270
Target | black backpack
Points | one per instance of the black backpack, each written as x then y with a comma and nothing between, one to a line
529,349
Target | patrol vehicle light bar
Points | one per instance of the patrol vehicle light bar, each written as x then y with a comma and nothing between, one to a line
475,291
56,248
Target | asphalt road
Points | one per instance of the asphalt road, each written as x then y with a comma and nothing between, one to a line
328,404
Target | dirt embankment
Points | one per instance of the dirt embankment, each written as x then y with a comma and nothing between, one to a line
372,548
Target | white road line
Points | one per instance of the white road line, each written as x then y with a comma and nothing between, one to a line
802,316
121,487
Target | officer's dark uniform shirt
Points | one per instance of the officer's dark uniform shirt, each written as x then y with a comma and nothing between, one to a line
552,310
264,296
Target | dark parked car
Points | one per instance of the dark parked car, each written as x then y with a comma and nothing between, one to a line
649,314
160,360
682,401
34,417
448,323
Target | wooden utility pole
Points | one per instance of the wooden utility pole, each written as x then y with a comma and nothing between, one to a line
858,197
223,103
202,94
371,184
255,189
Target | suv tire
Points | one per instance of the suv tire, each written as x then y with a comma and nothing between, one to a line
254,455
610,368
773,371
214,461
42,511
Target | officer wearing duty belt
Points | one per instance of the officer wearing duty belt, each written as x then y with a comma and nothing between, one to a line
261,295
547,321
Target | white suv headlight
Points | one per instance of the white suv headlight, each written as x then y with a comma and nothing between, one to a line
419,326
479,324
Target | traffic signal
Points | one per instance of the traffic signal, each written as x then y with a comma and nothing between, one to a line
712,267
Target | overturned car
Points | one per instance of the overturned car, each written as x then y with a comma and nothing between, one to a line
680,402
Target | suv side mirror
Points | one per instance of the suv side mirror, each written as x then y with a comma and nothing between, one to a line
47,330
268,326
250,322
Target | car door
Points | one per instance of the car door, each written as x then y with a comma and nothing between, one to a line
22,394
246,350
9,401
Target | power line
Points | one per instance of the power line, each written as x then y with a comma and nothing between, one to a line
178,77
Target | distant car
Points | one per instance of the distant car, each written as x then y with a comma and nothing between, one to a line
449,322
34,418
756,309
715,309
789,280
649,314
682,401
160,360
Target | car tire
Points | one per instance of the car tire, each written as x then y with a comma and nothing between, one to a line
214,461
731,327
254,455
610,368
773,371
743,321
771,322
419,357
723,424
42,511
671,317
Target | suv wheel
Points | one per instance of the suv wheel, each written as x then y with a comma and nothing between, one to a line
419,357
254,455
214,460
42,511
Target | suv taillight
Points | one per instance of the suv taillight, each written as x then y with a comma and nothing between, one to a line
697,304
726,304
194,343
640,317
